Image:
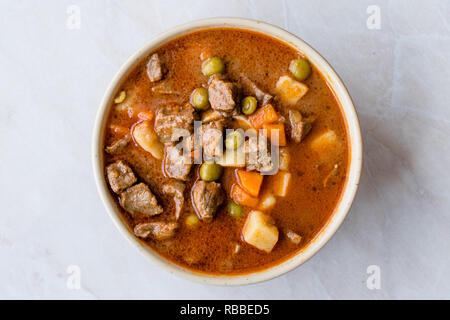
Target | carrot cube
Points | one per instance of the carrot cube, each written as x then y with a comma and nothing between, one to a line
250,181
271,129
240,196
266,114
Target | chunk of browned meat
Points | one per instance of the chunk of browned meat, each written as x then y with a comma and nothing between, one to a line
262,97
177,165
156,230
300,127
118,145
176,188
173,120
222,95
154,68
257,154
294,237
212,134
165,89
139,199
120,176
207,197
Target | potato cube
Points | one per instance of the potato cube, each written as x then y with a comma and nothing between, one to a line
289,90
283,163
279,183
267,201
324,141
260,231
147,139
327,145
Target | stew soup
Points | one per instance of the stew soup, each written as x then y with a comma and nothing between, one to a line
231,207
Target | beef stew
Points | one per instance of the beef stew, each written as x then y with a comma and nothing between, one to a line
226,151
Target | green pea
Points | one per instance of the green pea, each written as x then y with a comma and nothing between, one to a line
199,99
212,66
234,140
210,171
235,210
192,220
300,68
249,105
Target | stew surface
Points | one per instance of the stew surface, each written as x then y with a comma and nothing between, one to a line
228,216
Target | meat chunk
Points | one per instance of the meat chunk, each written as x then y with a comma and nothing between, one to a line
120,176
154,68
294,237
171,119
176,189
139,199
164,88
117,146
156,230
262,97
300,127
257,154
176,164
212,134
222,95
207,197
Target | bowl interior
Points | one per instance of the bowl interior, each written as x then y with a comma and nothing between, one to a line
353,131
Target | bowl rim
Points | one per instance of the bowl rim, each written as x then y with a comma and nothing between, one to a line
355,146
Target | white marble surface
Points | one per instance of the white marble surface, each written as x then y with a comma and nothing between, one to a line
53,78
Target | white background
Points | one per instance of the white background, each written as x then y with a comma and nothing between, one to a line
53,78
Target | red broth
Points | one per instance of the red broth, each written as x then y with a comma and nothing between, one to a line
317,178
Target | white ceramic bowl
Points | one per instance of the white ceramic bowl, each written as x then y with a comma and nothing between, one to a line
351,119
